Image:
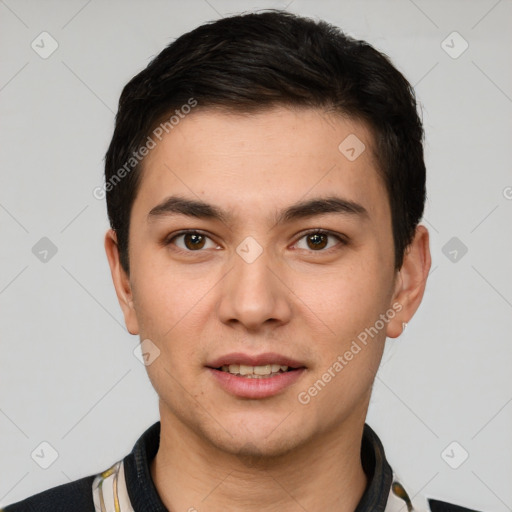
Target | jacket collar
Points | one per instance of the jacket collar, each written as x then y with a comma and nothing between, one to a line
378,496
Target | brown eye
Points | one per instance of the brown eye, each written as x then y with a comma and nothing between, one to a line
192,241
317,240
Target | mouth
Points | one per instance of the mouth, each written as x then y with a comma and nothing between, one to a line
255,377
262,366
256,372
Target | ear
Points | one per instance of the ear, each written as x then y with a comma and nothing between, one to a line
410,282
121,282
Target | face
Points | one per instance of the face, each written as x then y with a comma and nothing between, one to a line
278,252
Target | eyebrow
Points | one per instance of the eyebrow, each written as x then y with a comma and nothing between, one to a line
175,205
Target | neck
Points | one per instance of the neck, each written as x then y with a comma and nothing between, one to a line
191,474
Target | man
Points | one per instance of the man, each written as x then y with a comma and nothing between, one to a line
264,186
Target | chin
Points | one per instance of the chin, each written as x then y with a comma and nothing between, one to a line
260,452
256,445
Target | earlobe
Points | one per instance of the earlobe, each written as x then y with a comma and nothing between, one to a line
121,282
411,281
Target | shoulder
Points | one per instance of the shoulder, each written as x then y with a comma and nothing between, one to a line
442,506
81,495
76,495
398,499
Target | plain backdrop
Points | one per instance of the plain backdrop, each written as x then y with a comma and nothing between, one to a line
69,376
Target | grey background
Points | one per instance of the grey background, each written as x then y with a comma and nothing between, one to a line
68,374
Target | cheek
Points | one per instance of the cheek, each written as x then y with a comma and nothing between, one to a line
348,299
165,312
170,306
349,351
165,295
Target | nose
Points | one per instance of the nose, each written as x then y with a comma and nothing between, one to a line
254,295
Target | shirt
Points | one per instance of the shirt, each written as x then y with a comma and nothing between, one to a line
127,485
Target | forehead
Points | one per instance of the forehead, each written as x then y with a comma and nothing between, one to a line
265,159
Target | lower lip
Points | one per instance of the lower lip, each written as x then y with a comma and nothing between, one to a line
246,387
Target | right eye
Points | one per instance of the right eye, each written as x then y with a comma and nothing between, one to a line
191,241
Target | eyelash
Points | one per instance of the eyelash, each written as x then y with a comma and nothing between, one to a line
342,240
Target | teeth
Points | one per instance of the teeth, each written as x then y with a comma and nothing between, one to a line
254,371
246,370
262,370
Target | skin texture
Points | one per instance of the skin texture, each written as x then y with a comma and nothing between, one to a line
219,452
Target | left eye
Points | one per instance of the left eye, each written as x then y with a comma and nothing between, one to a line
318,240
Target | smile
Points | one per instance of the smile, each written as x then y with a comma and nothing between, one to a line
255,372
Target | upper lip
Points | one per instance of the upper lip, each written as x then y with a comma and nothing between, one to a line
255,360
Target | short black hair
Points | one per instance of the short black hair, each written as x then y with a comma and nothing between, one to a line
252,62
